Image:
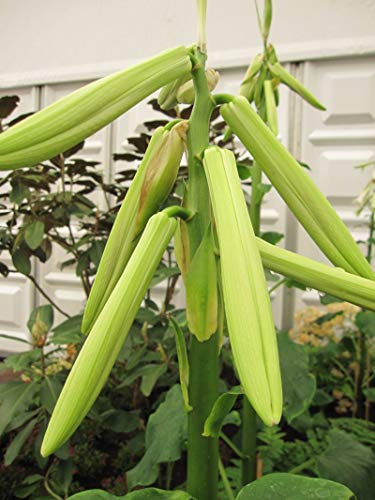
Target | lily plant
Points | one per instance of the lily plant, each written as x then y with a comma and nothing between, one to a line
216,239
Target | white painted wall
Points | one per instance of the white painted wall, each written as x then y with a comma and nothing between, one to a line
48,36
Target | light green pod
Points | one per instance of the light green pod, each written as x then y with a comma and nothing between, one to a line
335,281
186,92
246,299
271,107
102,346
73,118
151,185
298,190
284,76
253,69
267,18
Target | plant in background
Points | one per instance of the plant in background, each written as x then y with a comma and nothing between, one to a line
202,253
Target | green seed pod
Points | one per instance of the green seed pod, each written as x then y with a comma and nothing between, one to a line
167,98
259,89
284,76
150,186
335,281
201,290
186,93
271,53
267,18
162,170
271,107
80,114
298,190
102,346
246,299
253,69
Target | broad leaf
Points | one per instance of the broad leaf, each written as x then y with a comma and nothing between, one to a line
299,384
282,486
146,494
365,322
34,234
14,401
165,434
349,462
41,320
15,446
49,392
68,332
219,411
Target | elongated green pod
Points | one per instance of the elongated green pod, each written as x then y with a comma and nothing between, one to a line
246,299
253,69
80,114
186,92
298,190
284,76
267,18
151,185
102,346
332,280
271,107
167,98
201,290
259,89
161,173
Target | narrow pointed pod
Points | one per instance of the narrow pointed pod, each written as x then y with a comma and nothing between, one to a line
335,281
99,352
284,76
246,299
296,187
151,185
78,115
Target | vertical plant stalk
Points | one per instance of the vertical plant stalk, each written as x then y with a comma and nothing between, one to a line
202,469
248,431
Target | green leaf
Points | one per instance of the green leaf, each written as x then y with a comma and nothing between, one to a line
156,494
14,401
370,394
21,261
41,320
165,434
272,237
327,317
15,446
365,322
299,384
49,392
150,378
8,104
327,299
183,362
348,462
34,234
162,273
120,420
145,494
219,411
19,362
68,332
282,486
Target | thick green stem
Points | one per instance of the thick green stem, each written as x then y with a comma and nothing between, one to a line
203,455
248,462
